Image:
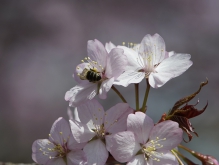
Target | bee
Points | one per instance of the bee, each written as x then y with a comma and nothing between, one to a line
90,74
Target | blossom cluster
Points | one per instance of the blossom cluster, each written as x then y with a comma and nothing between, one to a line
121,134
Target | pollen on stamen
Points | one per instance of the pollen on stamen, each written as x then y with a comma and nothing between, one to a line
60,133
82,61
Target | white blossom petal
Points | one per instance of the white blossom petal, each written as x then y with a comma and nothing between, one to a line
116,63
91,111
153,48
60,131
138,160
141,125
133,59
129,77
123,146
96,152
116,118
56,161
76,158
105,87
97,52
40,152
167,134
167,158
157,80
81,93
175,64
109,46
81,132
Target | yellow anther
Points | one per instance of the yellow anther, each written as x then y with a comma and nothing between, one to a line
60,133
82,60
123,43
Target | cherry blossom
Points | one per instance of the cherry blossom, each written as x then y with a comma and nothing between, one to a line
150,60
95,125
145,144
60,148
103,67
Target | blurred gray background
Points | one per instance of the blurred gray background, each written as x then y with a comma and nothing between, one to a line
41,42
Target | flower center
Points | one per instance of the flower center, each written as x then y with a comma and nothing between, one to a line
93,65
100,131
150,149
60,149
93,72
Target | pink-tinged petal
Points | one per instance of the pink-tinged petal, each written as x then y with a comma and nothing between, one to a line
123,146
109,46
157,80
152,47
73,145
138,160
171,53
129,77
167,158
40,152
105,87
116,118
80,94
81,132
79,69
175,64
133,59
56,161
96,152
168,134
70,113
141,125
76,158
60,131
97,52
91,111
116,63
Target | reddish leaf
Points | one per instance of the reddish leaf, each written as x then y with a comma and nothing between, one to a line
189,111
185,124
187,98
183,114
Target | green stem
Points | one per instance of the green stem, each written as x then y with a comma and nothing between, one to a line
119,94
185,148
188,161
179,160
143,108
137,96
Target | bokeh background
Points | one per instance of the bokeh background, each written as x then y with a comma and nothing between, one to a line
41,42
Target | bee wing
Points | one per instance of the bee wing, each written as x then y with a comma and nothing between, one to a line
83,75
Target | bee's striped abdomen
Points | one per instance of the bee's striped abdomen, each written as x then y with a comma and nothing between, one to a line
93,76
